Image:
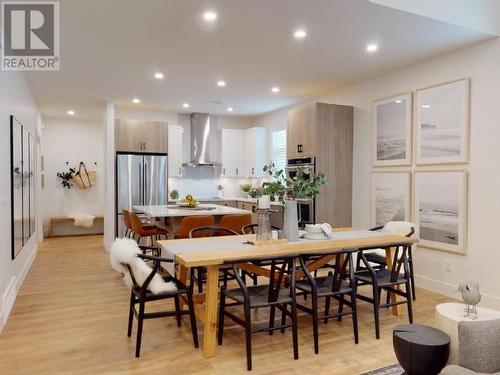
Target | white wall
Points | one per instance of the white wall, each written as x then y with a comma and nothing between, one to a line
72,140
16,99
109,175
480,63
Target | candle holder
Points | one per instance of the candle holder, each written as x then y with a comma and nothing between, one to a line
263,225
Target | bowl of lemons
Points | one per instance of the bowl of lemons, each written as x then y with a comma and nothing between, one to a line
189,201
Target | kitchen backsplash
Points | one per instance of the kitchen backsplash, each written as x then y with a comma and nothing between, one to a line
207,187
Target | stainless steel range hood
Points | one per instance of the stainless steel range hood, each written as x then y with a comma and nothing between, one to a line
201,132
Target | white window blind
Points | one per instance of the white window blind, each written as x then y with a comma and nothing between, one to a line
279,149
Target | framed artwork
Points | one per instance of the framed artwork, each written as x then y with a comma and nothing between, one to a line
442,123
441,209
22,162
392,131
390,197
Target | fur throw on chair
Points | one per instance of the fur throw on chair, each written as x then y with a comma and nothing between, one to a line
124,251
398,228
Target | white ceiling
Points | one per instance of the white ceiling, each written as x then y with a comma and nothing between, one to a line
110,50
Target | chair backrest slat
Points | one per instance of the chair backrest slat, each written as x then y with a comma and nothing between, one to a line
211,231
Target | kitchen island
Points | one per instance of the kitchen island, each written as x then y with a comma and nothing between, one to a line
173,214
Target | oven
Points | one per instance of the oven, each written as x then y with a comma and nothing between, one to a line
293,165
305,207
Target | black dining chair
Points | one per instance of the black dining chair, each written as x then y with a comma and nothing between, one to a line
388,280
379,261
211,231
273,295
251,229
141,295
338,285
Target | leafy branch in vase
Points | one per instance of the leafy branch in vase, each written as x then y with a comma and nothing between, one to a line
300,186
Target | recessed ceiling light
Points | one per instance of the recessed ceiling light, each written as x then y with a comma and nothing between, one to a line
185,105
230,109
300,34
399,101
136,100
71,112
275,89
372,47
210,16
426,106
221,83
159,75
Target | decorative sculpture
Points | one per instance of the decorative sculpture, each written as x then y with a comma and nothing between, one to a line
471,297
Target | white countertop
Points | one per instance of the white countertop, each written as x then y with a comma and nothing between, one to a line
176,211
234,199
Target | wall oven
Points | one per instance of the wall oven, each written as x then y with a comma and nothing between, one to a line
305,207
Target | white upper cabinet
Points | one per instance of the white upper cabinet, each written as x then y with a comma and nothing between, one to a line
256,151
244,152
233,152
175,150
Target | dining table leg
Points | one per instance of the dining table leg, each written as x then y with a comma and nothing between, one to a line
389,257
211,298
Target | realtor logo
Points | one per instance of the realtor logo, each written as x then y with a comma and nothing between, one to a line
30,35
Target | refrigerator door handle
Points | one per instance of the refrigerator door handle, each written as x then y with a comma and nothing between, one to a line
146,195
141,198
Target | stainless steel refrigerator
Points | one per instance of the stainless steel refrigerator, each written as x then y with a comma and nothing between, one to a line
141,179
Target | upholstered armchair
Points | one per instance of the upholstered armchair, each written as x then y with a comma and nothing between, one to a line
478,348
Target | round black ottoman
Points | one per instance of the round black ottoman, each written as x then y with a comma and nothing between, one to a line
421,350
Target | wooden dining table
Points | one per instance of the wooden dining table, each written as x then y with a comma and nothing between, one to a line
213,252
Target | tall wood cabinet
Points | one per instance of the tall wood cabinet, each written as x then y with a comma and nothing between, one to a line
141,136
325,131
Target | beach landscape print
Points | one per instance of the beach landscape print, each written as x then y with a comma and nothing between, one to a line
442,123
390,197
392,130
440,208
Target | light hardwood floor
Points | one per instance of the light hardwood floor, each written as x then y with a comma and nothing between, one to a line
70,317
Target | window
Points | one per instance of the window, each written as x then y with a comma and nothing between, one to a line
279,149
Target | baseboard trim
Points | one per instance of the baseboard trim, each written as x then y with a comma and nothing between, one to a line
450,290
10,294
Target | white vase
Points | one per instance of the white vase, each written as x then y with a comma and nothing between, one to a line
291,221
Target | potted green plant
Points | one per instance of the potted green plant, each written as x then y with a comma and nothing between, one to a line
174,195
67,177
245,188
288,190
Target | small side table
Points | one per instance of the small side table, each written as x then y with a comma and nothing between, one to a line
448,315
420,350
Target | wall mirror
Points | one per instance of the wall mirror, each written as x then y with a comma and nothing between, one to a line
22,160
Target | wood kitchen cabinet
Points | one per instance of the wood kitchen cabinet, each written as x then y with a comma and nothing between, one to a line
325,132
141,136
252,208
301,132
175,150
